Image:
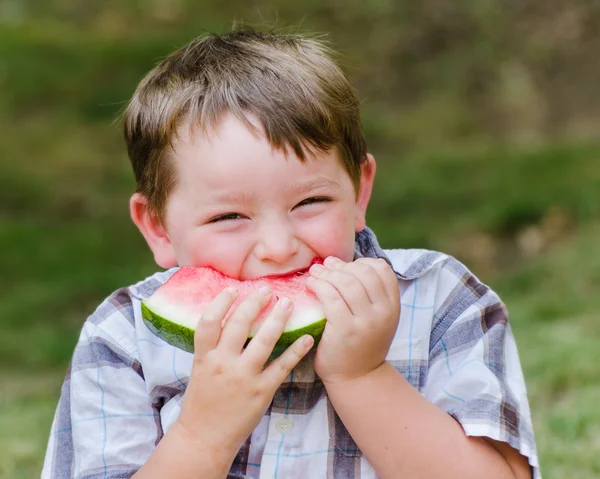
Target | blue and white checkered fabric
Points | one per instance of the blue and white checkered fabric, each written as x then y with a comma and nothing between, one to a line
124,386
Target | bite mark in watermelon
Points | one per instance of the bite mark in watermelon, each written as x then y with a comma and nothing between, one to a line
173,311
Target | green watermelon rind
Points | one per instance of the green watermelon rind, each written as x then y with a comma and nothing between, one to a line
287,338
175,334
182,337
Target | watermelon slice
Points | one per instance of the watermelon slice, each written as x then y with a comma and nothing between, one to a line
174,309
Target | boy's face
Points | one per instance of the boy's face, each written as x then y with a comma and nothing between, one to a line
247,210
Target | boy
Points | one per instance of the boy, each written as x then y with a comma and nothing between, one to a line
249,158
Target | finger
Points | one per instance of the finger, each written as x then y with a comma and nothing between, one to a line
348,287
261,346
387,276
236,329
208,329
334,305
371,281
276,372
365,273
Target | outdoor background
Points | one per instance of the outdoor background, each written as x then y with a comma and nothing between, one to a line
484,118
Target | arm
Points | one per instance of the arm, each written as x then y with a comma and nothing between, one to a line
177,455
229,389
106,426
397,429
105,423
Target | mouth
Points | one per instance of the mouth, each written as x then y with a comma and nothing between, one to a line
296,272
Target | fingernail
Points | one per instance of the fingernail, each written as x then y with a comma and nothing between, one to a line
264,291
307,341
316,269
285,303
331,260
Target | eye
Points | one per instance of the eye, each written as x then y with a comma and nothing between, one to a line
314,199
225,217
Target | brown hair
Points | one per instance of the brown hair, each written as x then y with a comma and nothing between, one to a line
290,83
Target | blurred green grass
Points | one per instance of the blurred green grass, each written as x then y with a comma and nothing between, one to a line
524,217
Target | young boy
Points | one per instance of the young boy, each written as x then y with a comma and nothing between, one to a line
249,158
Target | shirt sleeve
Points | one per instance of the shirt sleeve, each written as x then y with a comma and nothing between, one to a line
474,368
105,424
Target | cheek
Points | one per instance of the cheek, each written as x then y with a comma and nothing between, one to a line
225,253
331,235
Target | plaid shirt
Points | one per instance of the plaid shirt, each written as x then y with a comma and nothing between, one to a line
124,386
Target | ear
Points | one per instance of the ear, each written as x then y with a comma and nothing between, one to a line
367,176
149,224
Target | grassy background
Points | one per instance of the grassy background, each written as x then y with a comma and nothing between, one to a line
483,119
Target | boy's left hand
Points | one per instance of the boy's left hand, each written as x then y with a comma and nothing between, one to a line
361,300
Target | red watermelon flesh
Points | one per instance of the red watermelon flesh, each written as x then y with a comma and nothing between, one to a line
173,311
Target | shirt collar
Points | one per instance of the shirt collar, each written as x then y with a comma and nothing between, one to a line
366,246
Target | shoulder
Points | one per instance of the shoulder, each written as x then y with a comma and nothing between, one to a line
113,322
120,303
144,288
427,266
415,263
452,289
447,273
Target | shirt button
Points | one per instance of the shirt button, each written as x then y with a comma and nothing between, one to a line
284,425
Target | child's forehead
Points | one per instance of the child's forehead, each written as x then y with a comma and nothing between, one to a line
234,163
233,141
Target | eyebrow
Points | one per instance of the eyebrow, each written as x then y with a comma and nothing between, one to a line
299,189
313,185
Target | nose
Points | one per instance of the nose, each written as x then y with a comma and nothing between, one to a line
276,242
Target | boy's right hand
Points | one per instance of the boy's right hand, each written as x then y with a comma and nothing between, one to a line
229,388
